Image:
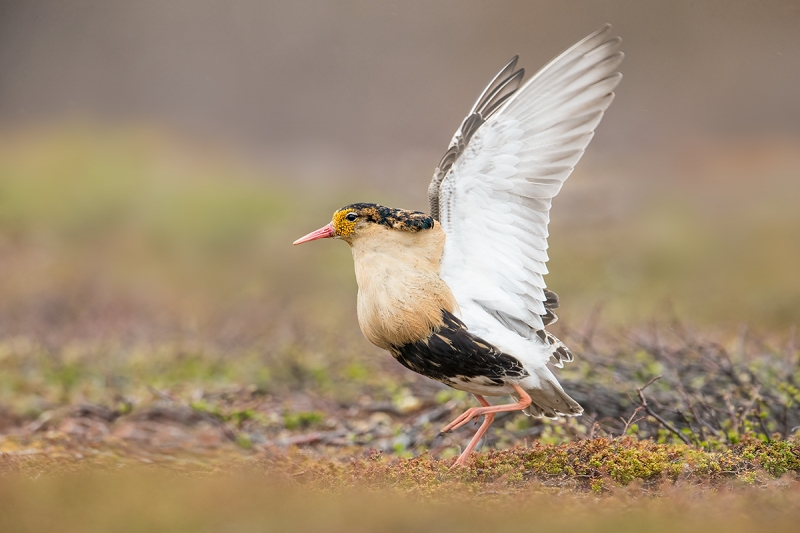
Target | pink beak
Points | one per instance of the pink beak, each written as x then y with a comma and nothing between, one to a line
325,232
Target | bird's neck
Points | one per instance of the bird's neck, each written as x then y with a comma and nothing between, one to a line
400,293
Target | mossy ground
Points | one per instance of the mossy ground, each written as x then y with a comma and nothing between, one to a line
596,485
598,465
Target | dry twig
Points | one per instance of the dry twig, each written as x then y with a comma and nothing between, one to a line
655,415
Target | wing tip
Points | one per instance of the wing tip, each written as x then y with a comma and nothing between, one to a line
605,27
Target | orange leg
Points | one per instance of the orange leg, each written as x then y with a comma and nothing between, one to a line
488,411
487,421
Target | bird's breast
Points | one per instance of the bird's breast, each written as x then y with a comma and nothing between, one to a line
400,293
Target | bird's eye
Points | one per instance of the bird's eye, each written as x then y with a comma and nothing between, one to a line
351,217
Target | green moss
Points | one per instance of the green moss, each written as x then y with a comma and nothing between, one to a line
748,477
597,465
356,372
244,441
302,419
777,457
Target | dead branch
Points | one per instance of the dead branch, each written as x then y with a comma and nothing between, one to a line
630,420
655,415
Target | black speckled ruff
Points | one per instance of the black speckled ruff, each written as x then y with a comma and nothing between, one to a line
452,354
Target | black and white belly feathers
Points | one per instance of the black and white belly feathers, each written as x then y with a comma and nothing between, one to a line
454,356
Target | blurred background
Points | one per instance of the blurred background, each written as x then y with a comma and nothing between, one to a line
158,159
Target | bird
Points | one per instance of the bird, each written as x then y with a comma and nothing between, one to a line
458,294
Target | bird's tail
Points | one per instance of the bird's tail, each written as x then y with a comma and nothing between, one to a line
549,399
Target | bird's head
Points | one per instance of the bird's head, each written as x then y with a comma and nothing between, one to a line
354,220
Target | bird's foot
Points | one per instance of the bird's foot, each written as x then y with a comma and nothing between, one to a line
461,461
466,416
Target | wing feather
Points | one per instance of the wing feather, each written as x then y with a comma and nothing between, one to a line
493,189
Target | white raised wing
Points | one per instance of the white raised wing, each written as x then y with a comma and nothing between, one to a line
493,189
